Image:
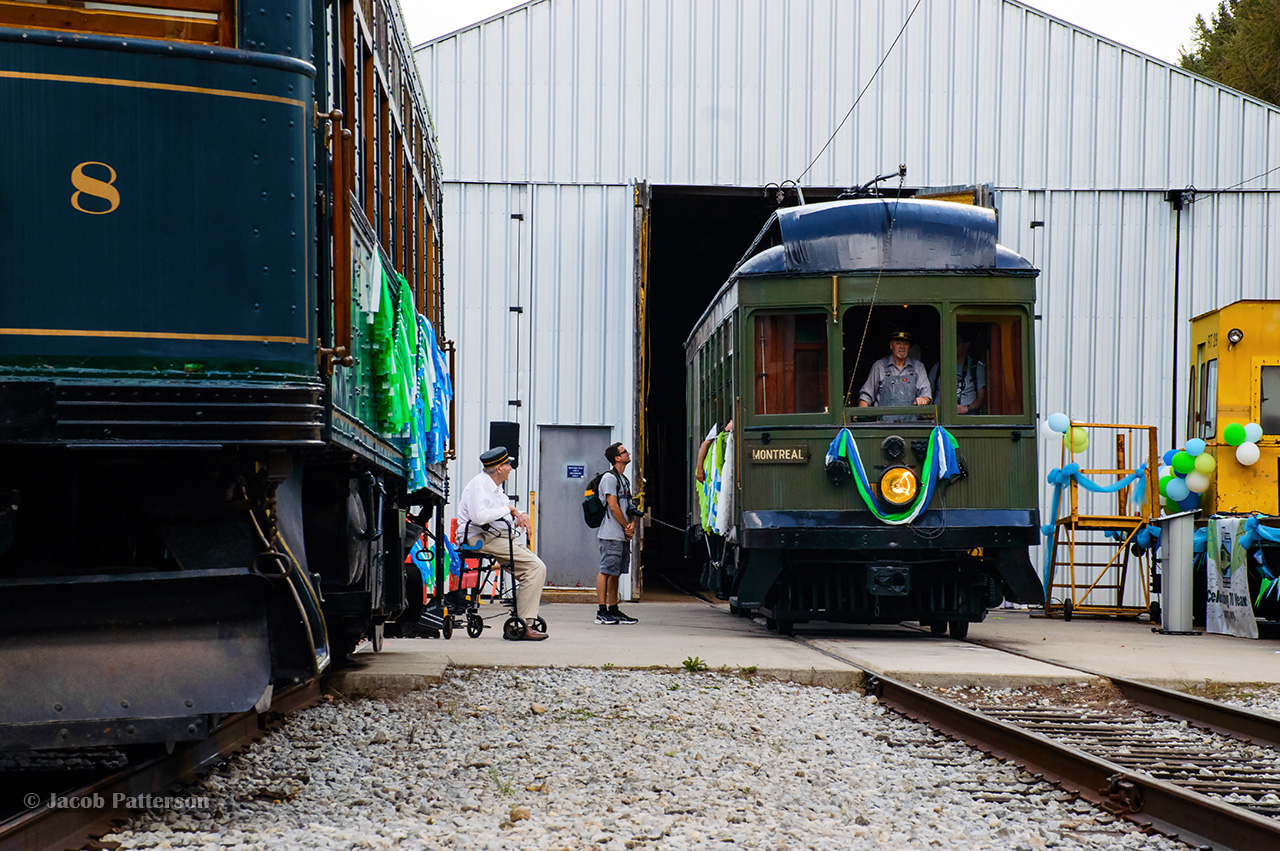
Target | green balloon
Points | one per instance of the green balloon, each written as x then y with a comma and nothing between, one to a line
1183,463
1076,439
1233,434
1164,482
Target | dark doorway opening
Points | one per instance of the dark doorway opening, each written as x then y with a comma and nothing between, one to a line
697,236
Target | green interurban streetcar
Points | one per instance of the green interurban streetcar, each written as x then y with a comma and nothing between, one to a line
876,360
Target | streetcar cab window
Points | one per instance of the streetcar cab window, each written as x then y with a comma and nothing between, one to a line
791,363
196,21
872,374
1269,401
1209,400
987,368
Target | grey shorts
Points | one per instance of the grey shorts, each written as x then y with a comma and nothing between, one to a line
615,557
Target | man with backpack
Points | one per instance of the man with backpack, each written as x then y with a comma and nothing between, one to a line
616,530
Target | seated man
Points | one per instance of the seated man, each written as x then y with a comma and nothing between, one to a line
493,519
896,380
971,377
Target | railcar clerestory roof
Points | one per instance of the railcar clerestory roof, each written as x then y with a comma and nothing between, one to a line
878,233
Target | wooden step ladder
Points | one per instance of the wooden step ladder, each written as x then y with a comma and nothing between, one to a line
1094,560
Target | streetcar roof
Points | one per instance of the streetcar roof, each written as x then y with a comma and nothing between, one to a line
872,235
878,233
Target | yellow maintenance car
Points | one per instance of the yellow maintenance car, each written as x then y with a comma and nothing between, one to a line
1235,379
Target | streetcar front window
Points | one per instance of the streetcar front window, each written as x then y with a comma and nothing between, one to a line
988,366
195,21
791,363
1269,401
872,376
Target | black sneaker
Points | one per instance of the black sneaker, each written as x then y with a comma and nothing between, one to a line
606,617
620,617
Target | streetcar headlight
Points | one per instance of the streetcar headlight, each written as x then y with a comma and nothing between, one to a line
898,486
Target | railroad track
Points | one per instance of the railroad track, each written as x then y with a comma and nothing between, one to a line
46,828
1211,782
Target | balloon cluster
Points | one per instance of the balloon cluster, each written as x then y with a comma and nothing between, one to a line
1185,475
1074,438
1245,439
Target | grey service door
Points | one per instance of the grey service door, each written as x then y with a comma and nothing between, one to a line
568,458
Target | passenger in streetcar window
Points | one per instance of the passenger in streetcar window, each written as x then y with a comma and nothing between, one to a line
897,379
971,376
698,472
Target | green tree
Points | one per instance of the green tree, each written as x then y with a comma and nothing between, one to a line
1239,46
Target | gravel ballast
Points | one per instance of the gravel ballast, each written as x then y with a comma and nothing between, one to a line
614,759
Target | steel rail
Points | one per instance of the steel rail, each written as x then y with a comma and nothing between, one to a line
1150,803
1210,714
46,828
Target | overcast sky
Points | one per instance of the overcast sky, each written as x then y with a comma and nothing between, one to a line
1157,27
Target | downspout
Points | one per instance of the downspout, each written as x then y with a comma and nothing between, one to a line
1178,198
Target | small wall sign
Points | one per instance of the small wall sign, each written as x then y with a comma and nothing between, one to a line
574,471
780,453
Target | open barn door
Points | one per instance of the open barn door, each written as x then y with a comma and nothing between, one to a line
640,451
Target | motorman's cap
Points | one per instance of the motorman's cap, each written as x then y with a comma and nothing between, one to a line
495,457
900,335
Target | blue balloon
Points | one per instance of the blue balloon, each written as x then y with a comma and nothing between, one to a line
1177,490
1059,422
1047,530
1167,457
1190,502
1195,446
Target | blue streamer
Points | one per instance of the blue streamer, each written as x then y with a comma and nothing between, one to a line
1060,478
1255,531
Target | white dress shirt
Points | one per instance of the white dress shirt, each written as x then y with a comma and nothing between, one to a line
484,502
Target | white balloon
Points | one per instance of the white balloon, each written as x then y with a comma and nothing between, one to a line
1197,482
1164,471
1252,432
1248,454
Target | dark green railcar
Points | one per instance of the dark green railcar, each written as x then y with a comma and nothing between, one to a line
874,527
198,500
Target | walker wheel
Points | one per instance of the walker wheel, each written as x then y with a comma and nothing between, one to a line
447,630
475,625
513,629
1068,609
539,624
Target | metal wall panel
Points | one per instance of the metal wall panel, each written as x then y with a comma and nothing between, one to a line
1071,129
568,265
747,92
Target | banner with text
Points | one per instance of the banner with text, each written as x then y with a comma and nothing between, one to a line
1228,610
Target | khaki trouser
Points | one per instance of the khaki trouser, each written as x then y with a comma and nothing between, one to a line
530,573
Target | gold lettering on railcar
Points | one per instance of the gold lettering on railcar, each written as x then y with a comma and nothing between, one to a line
780,453
86,185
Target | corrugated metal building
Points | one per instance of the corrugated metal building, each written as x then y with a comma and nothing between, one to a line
559,116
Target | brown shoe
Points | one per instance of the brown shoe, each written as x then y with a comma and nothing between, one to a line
531,634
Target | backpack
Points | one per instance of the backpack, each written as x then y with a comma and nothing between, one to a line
593,507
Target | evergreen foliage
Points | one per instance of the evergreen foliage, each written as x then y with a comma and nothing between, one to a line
1239,46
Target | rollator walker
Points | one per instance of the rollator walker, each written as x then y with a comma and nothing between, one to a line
474,580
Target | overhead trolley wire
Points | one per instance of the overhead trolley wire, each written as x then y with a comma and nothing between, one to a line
1197,194
872,79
